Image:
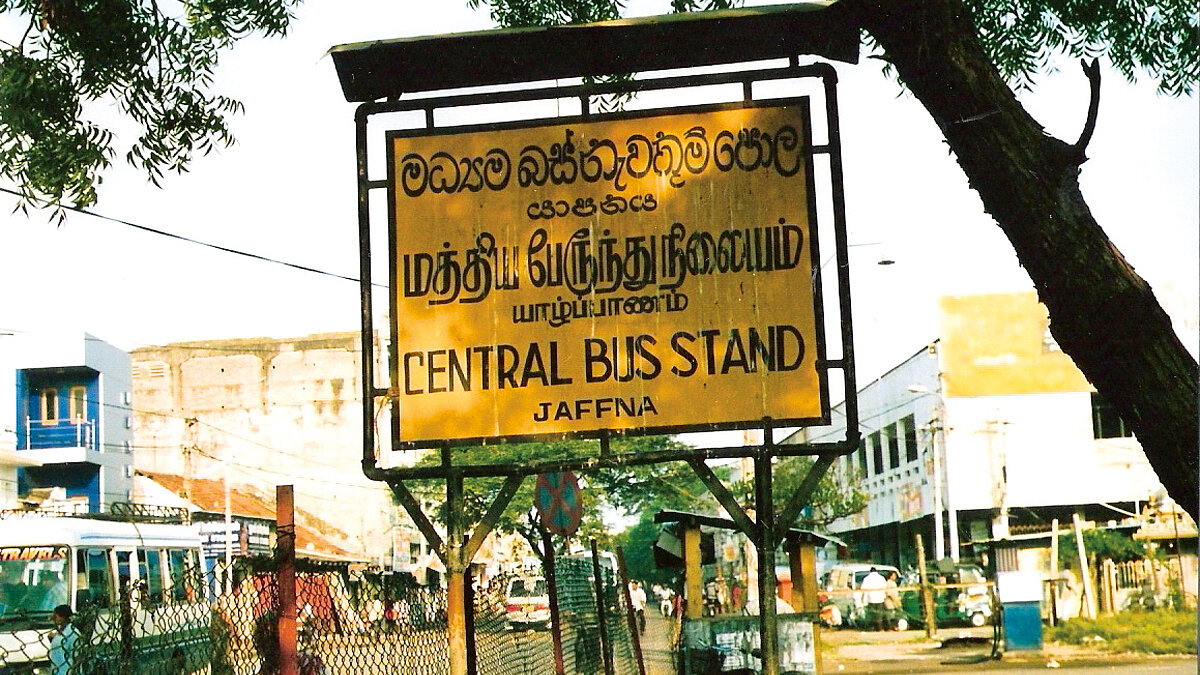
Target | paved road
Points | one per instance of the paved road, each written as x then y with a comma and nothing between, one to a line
656,652
1174,666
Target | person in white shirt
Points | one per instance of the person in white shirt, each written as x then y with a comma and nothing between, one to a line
874,587
637,597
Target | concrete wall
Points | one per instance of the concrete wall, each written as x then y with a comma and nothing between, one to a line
280,411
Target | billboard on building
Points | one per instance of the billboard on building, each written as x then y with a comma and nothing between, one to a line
650,271
1000,345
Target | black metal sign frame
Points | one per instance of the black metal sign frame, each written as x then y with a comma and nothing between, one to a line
587,94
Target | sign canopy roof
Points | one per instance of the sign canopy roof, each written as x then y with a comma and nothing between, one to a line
385,69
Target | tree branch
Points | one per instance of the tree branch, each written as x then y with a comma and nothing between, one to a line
1092,70
1103,314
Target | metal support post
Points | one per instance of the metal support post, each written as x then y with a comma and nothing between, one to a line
456,625
766,564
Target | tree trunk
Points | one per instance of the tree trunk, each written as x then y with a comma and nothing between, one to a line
1102,313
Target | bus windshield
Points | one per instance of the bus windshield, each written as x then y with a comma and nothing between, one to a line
33,579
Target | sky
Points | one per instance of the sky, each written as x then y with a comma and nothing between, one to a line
286,191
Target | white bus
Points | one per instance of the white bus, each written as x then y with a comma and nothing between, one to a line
140,603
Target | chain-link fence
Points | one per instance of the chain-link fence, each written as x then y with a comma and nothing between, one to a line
513,633
349,620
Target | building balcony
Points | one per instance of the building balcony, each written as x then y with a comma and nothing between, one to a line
62,434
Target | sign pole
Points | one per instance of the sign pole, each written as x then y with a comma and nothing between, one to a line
766,565
558,503
555,616
456,625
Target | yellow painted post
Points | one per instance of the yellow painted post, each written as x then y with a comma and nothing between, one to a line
692,581
802,558
930,611
456,600
456,625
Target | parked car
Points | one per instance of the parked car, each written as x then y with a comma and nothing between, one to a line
841,588
527,603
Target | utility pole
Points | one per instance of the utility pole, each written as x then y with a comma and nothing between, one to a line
188,448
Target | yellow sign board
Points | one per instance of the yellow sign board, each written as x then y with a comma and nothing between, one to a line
651,272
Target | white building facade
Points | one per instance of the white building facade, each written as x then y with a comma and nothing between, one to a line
988,431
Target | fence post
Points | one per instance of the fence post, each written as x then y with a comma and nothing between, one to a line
605,644
126,596
926,589
285,542
634,633
555,612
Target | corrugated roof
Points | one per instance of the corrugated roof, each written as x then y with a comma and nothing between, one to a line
208,496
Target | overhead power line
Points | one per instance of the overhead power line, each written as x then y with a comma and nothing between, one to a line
179,237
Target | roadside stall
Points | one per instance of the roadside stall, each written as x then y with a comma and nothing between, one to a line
729,640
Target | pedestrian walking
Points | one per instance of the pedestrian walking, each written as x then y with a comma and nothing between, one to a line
874,588
637,598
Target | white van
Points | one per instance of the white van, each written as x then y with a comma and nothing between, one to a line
91,564
841,585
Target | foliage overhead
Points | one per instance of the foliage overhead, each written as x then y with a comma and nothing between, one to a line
635,489
1159,38
74,58
835,496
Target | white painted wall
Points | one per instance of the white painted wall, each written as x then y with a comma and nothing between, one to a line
1043,440
1046,442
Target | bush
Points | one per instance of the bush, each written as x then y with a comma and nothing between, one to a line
1161,632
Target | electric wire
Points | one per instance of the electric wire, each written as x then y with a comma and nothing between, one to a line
179,237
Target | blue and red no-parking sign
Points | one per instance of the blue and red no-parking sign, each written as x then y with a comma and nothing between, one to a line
559,504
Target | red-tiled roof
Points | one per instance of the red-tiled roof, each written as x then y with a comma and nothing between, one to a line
208,496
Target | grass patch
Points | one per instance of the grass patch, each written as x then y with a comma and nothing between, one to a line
1160,632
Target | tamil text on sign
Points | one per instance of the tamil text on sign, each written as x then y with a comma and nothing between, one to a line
649,272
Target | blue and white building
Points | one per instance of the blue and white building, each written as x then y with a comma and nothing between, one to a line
65,415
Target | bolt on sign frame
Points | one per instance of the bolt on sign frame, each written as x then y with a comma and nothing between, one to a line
592,275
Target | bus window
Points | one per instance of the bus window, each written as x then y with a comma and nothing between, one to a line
124,572
150,570
184,575
95,578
